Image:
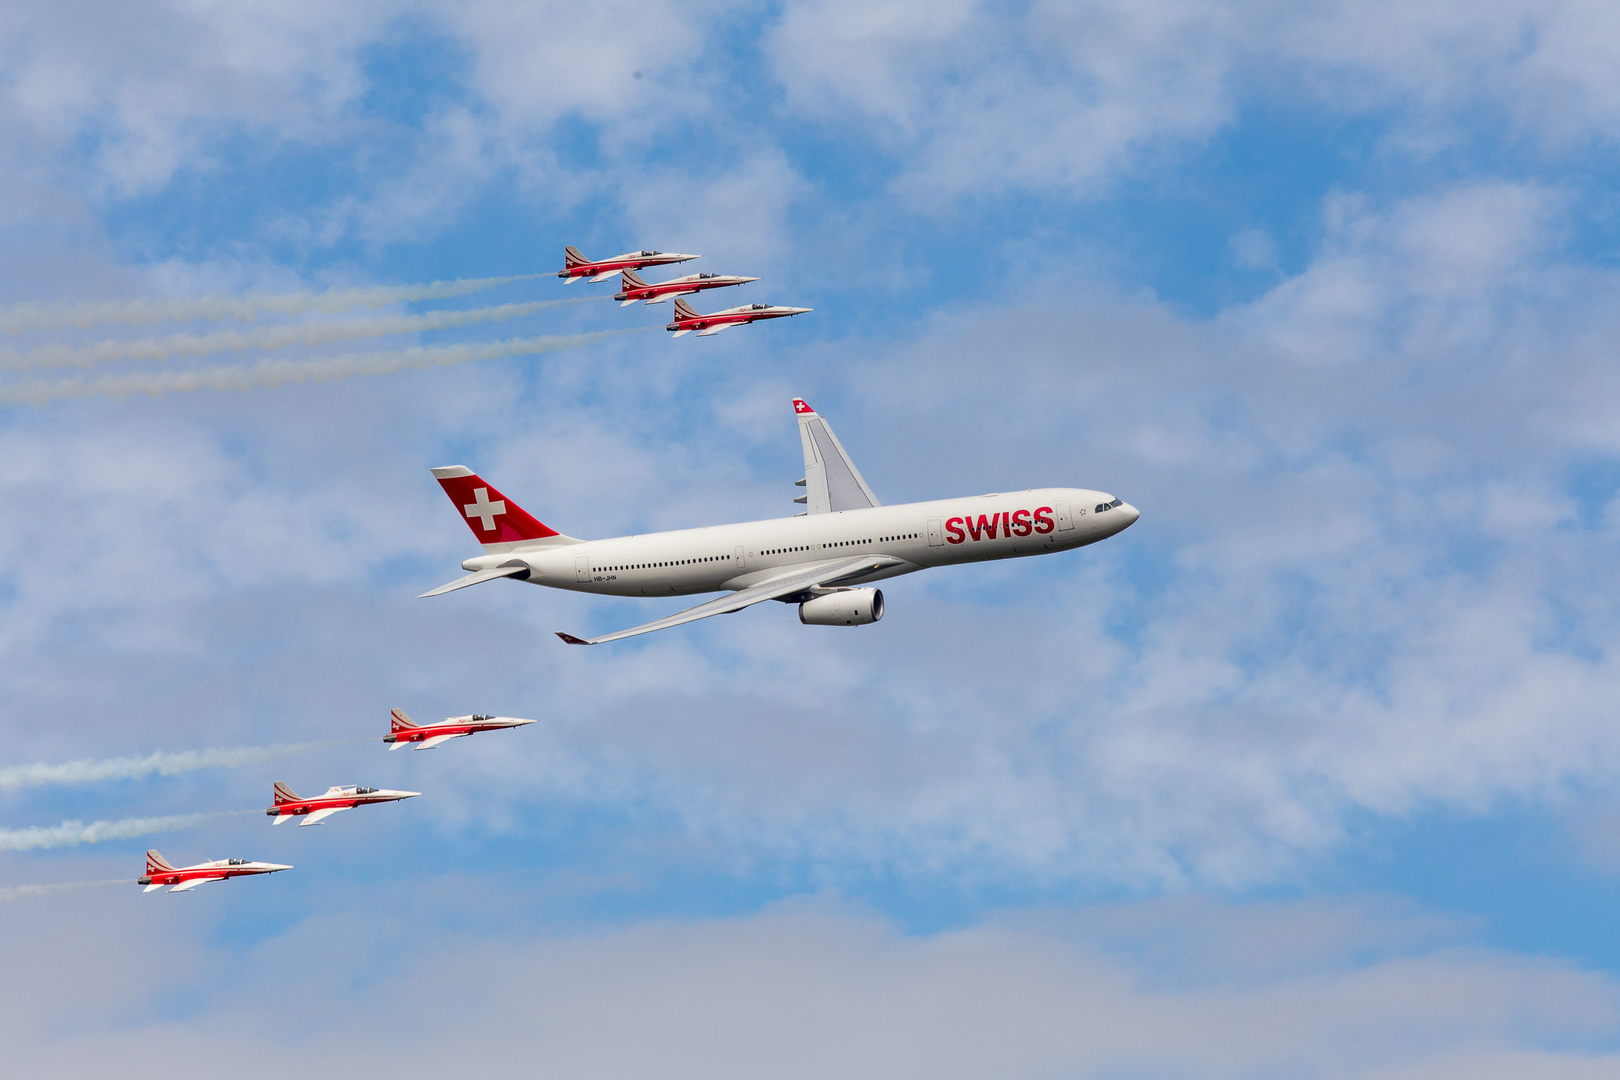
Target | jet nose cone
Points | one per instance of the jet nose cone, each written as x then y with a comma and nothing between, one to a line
1131,513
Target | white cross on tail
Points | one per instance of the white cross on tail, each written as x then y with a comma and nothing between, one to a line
485,511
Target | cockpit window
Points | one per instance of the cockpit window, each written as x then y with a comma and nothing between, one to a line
761,307
365,791
480,718
1101,507
649,253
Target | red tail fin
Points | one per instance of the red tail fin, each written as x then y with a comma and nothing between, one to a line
631,278
683,310
156,864
401,722
572,257
492,517
284,794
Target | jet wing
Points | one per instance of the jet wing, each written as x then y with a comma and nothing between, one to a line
828,573
187,886
428,744
713,330
320,815
831,480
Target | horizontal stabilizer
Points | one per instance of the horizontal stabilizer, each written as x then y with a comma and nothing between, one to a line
478,578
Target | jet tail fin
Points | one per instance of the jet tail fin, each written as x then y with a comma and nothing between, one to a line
630,277
683,310
284,794
497,521
832,482
572,257
156,864
398,721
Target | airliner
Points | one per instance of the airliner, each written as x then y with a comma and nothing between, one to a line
824,559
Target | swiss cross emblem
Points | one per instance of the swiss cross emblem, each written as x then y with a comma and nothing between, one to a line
800,406
485,511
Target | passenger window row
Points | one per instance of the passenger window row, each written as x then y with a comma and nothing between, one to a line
656,565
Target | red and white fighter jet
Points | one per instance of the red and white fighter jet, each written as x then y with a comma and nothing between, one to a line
577,266
632,288
316,810
185,878
688,320
405,731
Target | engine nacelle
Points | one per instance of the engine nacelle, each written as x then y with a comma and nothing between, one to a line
847,607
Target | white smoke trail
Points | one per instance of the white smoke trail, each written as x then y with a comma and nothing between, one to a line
267,373
20,317
28,892
73,833
162,763
270,337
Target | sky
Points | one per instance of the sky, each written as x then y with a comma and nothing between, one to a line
1310,773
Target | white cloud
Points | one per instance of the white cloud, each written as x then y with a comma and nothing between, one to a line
971,98
804,990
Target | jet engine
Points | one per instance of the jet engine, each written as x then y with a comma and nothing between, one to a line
846,607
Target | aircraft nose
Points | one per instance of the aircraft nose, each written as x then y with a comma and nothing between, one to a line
1131,514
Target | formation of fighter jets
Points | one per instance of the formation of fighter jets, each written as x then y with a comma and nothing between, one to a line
824,559
288,804
632,288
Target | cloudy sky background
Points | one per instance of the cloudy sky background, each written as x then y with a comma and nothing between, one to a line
1312,772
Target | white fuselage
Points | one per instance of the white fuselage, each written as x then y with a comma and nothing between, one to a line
921,535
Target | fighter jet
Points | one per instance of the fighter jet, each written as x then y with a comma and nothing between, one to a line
185,878
316,810
632,288
577,266
426,736
687,320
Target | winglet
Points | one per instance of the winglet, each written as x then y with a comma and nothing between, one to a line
571,639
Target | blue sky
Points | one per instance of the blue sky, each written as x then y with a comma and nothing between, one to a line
1310,773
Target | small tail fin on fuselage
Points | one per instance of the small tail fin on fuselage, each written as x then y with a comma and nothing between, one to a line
683,310
629,279
284,794
400,722
572,257
156,864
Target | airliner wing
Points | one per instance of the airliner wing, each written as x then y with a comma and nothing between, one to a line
832,482
320,815
828,573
